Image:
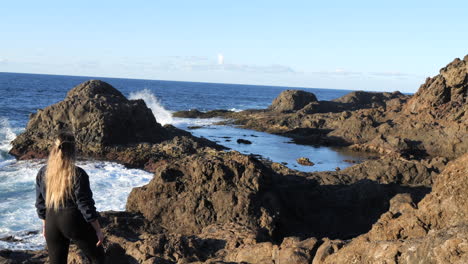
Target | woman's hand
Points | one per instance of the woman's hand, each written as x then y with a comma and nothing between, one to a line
99,234
43,228
100,237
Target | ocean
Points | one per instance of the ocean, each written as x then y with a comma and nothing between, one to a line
23,94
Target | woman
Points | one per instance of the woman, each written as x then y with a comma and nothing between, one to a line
65,204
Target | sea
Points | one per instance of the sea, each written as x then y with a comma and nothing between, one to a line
23,94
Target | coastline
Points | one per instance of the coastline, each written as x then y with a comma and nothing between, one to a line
231,207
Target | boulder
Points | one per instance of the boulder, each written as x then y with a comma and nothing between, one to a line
193,192
305,161
292,100
243,141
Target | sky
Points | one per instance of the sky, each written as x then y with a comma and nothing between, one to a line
357,45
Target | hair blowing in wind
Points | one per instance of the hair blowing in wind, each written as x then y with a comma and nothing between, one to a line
60,173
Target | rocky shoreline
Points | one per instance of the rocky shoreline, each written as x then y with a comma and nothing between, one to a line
206,204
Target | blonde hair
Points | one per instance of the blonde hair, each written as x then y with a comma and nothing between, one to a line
61,171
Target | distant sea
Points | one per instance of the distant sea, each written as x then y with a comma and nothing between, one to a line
23,94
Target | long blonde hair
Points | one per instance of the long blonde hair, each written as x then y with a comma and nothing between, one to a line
61,171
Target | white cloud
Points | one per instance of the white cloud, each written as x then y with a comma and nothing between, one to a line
220,59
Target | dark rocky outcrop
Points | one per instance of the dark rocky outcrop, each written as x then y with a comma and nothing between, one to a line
445,95
361,99
98,114
292,100
187,195
305,161
243,141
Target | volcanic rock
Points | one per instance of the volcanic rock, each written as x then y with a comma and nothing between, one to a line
361,99
244,141
444,94
305,161
98,114
433,231
292,100
191,193
194,113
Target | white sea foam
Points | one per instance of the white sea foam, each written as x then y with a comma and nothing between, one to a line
6,136
235,109
162,115
185,122
111,183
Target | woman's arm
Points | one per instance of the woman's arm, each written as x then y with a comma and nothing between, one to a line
40,199
84,196
85,203
99,233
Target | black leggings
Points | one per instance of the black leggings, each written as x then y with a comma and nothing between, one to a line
65,224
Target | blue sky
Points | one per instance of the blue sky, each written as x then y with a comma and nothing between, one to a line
367,45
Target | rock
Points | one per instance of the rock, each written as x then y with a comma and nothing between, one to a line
23,256
98,114
244,141
293,250
191,193
292,100
305,161
445,94
433,231
360,99
355,101
194,127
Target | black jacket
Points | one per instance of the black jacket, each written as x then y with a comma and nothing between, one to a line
82,195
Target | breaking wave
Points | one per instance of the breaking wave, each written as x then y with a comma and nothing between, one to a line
162,115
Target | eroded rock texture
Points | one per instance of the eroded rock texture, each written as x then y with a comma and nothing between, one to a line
292,100
433,231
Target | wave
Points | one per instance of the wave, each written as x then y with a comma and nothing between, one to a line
6,136
162,115
183,123
236,109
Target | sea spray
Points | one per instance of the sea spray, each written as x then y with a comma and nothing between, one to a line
162,115
6,136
